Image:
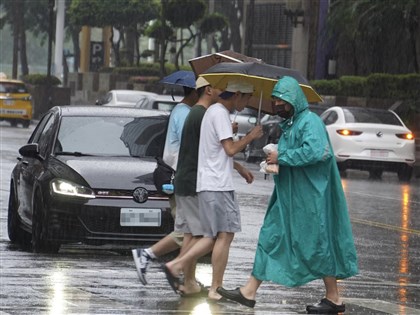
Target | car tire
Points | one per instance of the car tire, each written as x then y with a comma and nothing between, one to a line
404,173
26,123
342,169
375,174
16,234
13,123
39,229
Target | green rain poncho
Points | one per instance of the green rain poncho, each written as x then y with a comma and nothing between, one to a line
306,234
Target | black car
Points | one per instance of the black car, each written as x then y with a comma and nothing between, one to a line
85,175
272,132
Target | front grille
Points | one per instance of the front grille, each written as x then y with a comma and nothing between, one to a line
108,222
126,194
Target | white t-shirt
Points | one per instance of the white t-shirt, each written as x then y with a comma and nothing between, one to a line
215,167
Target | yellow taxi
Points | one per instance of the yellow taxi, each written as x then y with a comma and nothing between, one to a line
15,102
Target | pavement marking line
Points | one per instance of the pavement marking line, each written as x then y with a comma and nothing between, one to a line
380,196
379,282
386,226
382,306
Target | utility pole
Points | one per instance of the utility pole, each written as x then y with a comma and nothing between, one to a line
16,34
50,35
59,38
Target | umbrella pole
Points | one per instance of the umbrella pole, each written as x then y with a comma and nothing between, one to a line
259,109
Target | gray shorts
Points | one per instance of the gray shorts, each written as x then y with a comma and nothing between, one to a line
219,212
176,236
187,215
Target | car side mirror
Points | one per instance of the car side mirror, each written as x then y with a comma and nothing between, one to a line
30,150
252,120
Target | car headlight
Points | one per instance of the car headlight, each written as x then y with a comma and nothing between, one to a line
63,187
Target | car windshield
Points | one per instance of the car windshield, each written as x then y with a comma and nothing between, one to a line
112,136
12,87
370,116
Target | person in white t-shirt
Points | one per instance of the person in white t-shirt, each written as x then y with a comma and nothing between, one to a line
218,207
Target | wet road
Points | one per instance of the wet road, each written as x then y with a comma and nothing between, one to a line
102,280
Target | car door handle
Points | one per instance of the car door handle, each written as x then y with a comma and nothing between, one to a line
26,163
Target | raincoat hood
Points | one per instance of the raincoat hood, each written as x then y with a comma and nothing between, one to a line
288,89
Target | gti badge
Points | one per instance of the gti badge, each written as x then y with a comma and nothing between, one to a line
379,134
140,195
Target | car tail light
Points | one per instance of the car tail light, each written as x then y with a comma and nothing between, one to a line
406,136
347,132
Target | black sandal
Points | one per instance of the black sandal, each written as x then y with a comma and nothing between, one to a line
325,307
173,281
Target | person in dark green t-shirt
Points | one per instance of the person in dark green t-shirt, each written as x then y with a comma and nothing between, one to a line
187,219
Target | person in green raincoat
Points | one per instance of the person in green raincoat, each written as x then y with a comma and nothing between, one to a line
306,233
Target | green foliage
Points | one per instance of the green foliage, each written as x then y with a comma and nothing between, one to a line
382,85
357,28
40,79
376,85
213,23
154,29
144,70
110,12
326,87
352,85
183,13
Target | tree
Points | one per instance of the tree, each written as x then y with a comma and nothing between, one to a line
129,17
376,35
182,14
233,10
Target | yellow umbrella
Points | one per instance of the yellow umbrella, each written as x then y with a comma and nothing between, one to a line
262,76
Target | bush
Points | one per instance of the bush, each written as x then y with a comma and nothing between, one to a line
40,79
326,87
376,85
382,85
145,69
352,85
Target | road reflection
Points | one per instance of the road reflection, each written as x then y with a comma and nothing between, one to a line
57,302
404,238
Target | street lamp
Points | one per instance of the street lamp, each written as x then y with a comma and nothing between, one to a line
294,11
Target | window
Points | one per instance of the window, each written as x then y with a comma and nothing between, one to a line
371,116
13,88
113,136
329,118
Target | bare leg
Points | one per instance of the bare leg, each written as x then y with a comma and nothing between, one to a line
190,283
332,290
250,289
219,260
164,246
199,249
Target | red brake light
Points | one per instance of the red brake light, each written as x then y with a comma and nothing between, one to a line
406,136
347,132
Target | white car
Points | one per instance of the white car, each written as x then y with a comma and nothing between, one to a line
374,140
125,98
158,101
246,119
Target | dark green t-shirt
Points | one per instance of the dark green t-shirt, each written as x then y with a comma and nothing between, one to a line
186,171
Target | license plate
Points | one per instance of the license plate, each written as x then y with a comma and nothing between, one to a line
140,217
12,111
379,153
